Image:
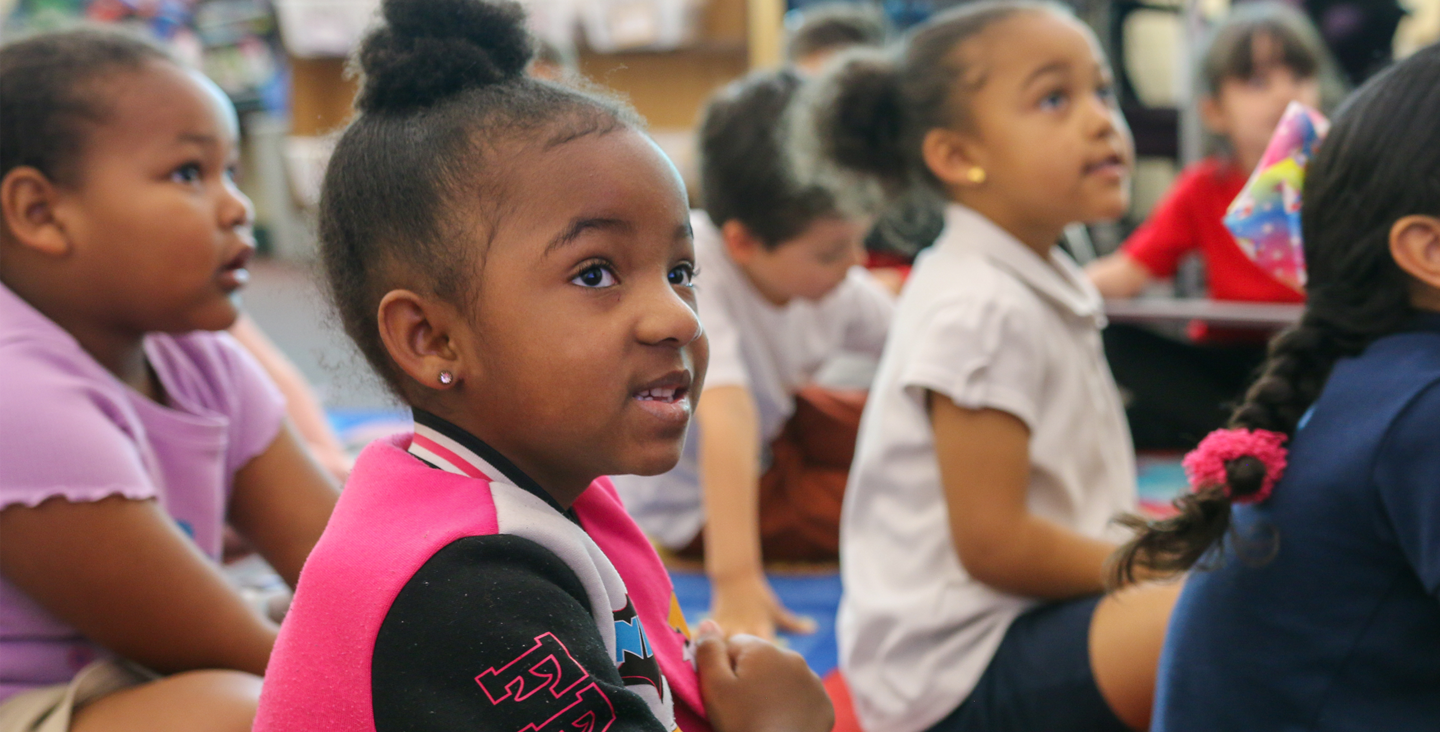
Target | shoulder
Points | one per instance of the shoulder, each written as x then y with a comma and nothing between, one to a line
211,372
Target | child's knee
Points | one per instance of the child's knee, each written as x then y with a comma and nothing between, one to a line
210,700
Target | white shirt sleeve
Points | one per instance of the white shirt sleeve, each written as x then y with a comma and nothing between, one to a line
982,354
870,308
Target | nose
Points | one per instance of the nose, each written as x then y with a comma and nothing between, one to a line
235,209
665,318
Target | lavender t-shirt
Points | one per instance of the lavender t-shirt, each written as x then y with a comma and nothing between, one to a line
69,428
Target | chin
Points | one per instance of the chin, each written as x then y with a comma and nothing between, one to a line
651,462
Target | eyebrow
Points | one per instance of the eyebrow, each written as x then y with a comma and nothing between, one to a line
199,138
581,225
1056,67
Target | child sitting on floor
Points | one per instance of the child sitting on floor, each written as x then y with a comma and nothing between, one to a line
781,293
1317,606
132,431
1259,59
993,451
515,258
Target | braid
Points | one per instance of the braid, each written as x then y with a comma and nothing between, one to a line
1299,361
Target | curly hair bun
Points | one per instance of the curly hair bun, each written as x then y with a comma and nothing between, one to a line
428,50
862,130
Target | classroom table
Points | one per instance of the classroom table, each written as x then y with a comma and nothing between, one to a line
1258,315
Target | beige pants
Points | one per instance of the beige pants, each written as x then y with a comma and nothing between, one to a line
50,708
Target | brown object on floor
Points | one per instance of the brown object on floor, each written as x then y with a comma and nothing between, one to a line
801,493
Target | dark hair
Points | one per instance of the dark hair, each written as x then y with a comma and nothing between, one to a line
1229,50
744,172
1380,162
444,97
834,26
869,115
50,90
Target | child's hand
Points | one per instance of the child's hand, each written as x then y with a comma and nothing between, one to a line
747,605
751,685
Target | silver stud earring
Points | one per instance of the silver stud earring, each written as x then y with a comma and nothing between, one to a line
447,378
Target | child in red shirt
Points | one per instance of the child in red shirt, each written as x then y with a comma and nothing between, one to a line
1259,59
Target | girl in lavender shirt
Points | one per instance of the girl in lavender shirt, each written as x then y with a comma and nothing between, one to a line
131,432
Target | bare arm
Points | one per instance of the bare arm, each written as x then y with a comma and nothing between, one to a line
730,478
1118,276
122,573
280,502
301,404
984,466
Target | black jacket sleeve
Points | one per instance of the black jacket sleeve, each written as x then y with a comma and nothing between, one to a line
495,633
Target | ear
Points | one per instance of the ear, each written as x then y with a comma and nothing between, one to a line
952,158
1211,115
28,202
1415,245
419,334
741,243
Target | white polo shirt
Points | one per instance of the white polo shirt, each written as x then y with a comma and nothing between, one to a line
986,322
771,350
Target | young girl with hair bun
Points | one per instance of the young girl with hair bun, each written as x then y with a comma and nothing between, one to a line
1315,603
993,452
515,258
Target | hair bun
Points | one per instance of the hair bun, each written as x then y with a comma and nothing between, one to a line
431,49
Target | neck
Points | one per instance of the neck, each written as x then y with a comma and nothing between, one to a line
1037,236
120,351
564,487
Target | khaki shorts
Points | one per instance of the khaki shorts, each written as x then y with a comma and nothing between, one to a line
49,708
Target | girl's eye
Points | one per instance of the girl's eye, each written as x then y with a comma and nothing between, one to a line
1053,100
595,276
187,173
1106,92
683,275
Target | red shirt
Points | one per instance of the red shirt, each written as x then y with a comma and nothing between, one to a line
1190,218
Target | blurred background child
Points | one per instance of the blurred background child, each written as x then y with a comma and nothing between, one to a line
1318,606
133,432
1258,60
993,452
782,293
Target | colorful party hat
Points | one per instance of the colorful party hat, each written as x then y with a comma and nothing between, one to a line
1265,217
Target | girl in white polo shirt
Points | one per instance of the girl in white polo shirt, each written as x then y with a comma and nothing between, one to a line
994,451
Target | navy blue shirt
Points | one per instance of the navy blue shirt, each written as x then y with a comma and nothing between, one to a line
1323,613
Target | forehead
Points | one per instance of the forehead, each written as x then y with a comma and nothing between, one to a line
1016,48
621,173
162,105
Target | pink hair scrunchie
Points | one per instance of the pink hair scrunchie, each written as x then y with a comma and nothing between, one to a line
1205,465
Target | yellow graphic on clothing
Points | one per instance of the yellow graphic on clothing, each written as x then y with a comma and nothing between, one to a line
677,617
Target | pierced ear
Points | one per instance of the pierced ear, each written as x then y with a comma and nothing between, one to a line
1415,245
741,243
28,202
419,335
949,157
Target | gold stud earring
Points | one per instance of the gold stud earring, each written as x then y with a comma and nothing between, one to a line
446,378
976,175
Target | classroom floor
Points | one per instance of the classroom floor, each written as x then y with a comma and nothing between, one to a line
288,306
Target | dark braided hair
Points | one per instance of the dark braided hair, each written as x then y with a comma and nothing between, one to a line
444,92
1380,163
51,90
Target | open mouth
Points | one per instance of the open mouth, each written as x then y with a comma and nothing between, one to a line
234,275
666,398
1109,165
